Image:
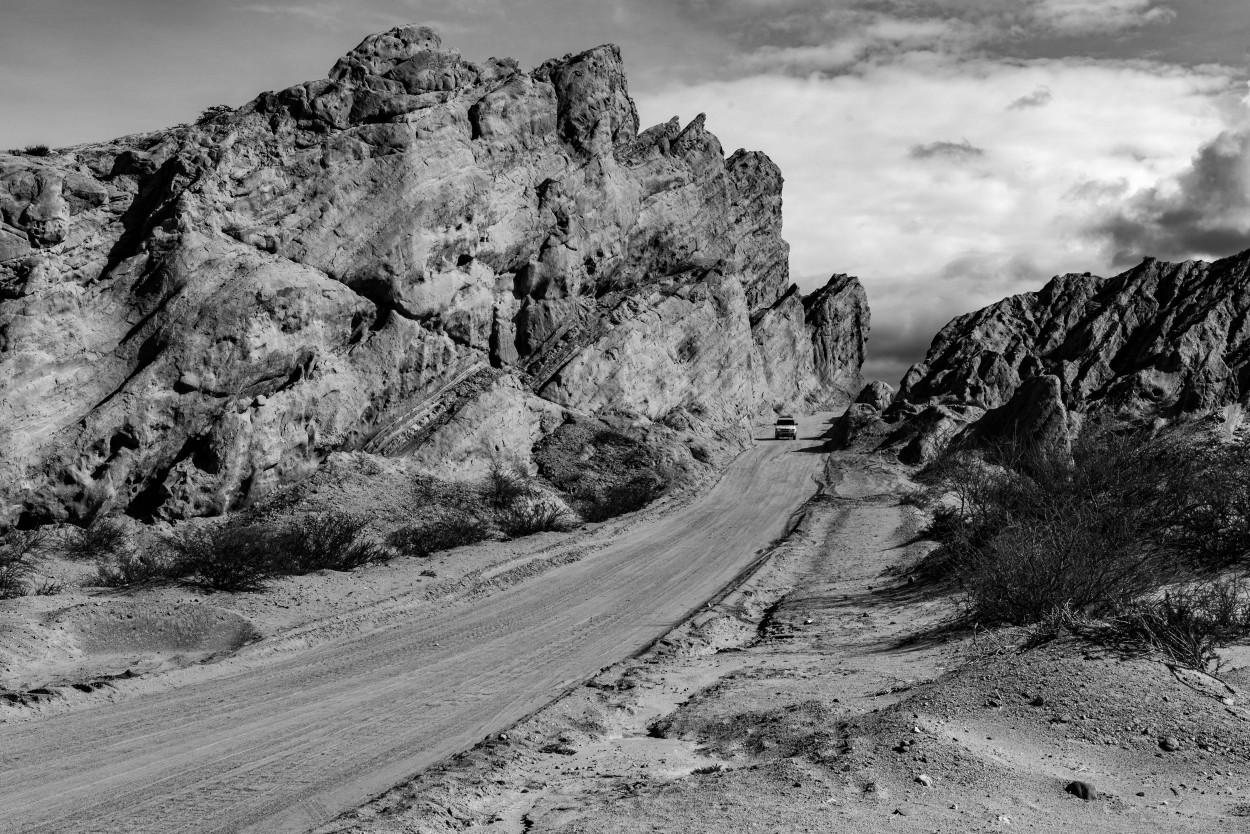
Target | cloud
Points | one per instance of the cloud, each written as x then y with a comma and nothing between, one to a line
1204,212
839,36
1038,98
1084,17
963,151
930,241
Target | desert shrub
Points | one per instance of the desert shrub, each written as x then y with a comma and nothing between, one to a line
504,486
100,540
1190,623
125,569
49,588
20,553
538,517
441,533
620,498
37,150
333,541
210,113
1123,514
228,557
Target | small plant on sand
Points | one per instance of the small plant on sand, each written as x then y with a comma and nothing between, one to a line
20,552
101,539
1190,623
451,529
126,569
538,517
504,486
1125,513
325,541
228,557
621,498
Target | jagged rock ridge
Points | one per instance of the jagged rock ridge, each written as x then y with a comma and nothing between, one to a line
419,254
1161,340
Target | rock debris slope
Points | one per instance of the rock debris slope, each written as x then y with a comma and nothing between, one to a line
193,318
1161,340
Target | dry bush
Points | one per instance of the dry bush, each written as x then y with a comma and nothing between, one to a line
504,486
325,541
453,529
228,557
20,553
620,498
1121,516
37,150
539,517
1189,624
101,539
126,569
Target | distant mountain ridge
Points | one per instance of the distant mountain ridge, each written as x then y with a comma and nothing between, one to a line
1162,340
419,254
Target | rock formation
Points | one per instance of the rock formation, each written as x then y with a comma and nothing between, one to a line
1161,340
417,253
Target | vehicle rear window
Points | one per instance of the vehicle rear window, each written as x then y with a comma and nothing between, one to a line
785,421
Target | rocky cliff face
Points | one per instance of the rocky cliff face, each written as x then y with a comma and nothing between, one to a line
192,318
1161,340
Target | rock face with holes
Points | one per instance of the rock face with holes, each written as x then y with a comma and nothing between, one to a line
192,318
1161,340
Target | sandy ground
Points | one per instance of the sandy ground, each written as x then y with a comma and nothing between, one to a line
823,693
170,710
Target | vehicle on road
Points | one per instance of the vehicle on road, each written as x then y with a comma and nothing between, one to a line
787,428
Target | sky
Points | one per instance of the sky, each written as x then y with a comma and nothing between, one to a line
947,152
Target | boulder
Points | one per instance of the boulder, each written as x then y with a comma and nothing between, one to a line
876,394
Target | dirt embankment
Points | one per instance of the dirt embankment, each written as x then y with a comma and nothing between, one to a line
822,693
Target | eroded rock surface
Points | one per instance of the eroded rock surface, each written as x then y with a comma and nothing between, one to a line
1161,340
385,259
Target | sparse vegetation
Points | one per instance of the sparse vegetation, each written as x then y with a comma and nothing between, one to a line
127,569
326,541
228,557
102,539
210,113
529,518
620,498
606,471
37,150
1188,624
1096,531
454,529
20,553
504,486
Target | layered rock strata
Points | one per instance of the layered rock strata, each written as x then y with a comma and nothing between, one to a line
419,252
1161,340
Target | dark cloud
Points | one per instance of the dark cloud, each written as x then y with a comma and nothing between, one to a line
963,151
1038,98
1205,213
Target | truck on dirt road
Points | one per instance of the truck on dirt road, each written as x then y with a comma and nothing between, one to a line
787,428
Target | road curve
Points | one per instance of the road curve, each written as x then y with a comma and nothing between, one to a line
284,747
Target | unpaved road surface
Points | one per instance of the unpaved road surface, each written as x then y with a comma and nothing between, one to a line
286,746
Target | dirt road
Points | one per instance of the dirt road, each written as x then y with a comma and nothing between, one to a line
285,746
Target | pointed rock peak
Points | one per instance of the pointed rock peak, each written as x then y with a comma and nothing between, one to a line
379,54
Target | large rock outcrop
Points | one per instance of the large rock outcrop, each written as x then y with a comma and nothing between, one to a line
192,318
1161,340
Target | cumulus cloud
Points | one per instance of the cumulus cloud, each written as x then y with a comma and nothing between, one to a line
931,241
963,151
1203,212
